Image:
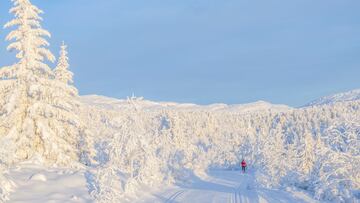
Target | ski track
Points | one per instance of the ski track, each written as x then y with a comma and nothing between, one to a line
227,187
237,196
174,196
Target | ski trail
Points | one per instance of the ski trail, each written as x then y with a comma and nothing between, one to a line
239,194
235,195
174,196
239,191
230,198
238,197
226,186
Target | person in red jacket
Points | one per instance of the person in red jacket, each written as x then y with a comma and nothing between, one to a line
243,165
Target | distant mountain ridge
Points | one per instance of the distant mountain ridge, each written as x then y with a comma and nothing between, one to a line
141,103
339,97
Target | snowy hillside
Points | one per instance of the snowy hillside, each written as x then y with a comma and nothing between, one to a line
341,97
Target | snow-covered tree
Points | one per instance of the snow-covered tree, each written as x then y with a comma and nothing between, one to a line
66,95
33,117
62,72
308,154
293,148
29,40
331,178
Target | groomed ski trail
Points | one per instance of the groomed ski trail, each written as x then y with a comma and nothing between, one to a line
220,186
173,197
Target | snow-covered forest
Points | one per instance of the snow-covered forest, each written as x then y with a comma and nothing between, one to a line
124,145
313,148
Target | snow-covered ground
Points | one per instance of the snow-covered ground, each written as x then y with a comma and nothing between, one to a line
39,184
35,184
225,186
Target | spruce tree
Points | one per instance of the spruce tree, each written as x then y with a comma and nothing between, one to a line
62,72
33,118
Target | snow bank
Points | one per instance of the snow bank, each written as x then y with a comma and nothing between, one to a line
41,184
6,185
38,177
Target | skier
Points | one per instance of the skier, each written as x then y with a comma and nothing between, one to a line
243,166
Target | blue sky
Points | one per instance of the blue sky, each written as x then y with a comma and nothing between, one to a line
206,51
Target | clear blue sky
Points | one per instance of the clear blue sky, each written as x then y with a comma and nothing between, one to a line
206,51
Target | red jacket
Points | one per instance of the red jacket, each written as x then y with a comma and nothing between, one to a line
243,163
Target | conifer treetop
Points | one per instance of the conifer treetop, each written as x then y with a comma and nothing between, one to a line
28,39
62,72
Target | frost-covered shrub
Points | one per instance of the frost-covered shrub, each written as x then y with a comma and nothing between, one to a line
105,185
333,179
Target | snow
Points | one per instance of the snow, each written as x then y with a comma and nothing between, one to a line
141,104
214,186
226,186
6,185
38,111
38,177
39,184
59,147
340,97
142,143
